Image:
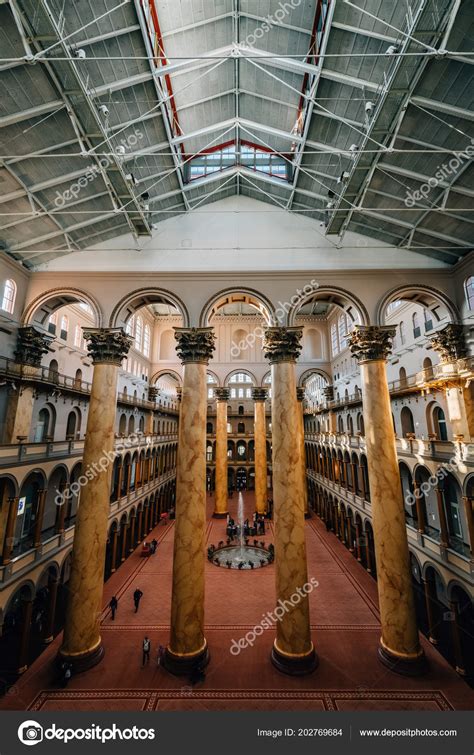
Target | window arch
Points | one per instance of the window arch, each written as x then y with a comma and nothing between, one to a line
469,291
342,331
130,328
146,340
64,327
439,423
52,323
138,333
401,329
416,325
408,425
78,336
9,296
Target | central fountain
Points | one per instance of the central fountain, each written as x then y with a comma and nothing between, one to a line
241,555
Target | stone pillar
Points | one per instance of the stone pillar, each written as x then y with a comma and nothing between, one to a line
82,644
400,648
467,500
152,396
113,559
188,647
53,594
39,518
132,533
430,598
259,396
32,344
9,539
61,504
222,397
420,511
293,651
300,431
451,347
27,608
443,524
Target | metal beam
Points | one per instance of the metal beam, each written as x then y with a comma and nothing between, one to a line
32,112
405,173
443,107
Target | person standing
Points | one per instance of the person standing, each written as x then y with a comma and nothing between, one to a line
113,605
146,647
137,596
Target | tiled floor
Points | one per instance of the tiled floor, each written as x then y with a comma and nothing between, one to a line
345,626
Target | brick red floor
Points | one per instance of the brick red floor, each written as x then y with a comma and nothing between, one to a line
345,626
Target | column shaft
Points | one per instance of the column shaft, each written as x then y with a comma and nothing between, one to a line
220,511
260,439
399,646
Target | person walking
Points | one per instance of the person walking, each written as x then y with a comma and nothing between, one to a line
154,545
146,647
137,596
160,656
113,605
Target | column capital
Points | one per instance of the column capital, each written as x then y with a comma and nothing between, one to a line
222,394
449,342
328,392
282,344
31,345
195,344
371,343
107,345
259,394
152,393
300,394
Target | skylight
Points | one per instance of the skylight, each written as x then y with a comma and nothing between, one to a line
248,155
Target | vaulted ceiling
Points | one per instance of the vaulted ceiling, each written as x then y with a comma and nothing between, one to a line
116,115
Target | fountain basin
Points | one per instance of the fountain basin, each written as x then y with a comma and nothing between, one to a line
241,557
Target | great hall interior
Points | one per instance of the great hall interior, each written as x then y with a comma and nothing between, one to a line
236,321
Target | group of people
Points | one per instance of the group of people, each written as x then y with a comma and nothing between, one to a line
113,604
256,528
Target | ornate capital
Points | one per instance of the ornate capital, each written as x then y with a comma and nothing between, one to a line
152,393
449,343
195,344
300,394
282,344
222,394
328,392
259,394
107,345
370,343
31,345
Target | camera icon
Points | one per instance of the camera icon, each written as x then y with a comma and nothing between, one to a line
30,733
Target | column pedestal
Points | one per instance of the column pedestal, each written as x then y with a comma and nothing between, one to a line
293,650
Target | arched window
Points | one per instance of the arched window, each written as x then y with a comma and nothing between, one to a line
416,325
64,327
468,288
9,296
408,426
138,333
427,316
428,368
52,322
439,423
334,342
130,329
401,329
78,336
342,331
146,340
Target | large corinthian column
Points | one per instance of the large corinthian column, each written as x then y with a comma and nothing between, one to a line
82,644
399,645
188,647
293,651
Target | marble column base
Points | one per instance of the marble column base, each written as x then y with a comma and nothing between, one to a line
83,661
405,665
294,665
184,665
220,514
